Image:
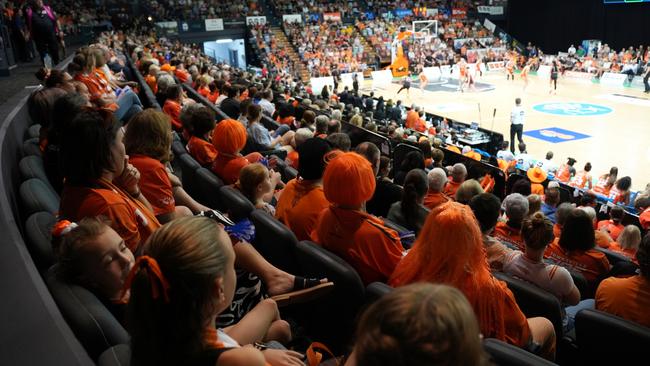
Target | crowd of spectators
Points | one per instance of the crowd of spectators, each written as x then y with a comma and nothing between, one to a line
202,9
346,8
631,61
327,47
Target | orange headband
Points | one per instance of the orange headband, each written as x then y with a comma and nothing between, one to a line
154,273
63,227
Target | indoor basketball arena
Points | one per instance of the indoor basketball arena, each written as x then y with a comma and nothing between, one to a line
324,182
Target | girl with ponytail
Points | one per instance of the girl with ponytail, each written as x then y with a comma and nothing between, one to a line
410,212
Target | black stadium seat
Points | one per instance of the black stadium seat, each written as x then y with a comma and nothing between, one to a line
39,238
92,323
208,187
376,290
189,166
333,317
274,241
119,355
605,339
178,148
36,196
32,167
535,301
235,203
504,354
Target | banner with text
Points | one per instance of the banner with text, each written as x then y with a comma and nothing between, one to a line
213,24
292,18
255,20
492,10
347,79
459,13
333,17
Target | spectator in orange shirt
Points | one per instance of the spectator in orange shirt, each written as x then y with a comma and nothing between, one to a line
99,181
620,192
606,182
536,176
575,250
148,142
229,138
255,183
150,79
566,171
628,242
346,229
448,245
303,198
198,122
643,206
603,240
458,175
509,232
613,226
437,179
173,106
629,297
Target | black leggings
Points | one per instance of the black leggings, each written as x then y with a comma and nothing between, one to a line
554,81
404,87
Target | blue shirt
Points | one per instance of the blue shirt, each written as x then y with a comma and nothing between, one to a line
259,134
549,211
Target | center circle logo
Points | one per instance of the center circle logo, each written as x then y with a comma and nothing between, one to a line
572,109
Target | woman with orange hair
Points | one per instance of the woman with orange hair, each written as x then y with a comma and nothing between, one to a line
449,250
346,229
229,138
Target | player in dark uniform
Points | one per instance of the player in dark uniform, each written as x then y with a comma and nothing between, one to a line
555,72
406,84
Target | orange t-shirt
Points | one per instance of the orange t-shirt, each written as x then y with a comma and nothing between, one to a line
601,186
154,184
227,167
299,206
360,239
205,92
153,84
293,159
564,173
591,263
411,119
510,235
286,120
451,188
132,220
580,180
602,240
628,298
202,151
182,75
434,199
630,253
612,228
173,109
644,219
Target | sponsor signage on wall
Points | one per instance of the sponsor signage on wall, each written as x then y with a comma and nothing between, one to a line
215,24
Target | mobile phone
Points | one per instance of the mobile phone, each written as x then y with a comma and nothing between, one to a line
217,216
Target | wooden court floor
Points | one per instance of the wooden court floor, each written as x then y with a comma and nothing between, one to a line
617,138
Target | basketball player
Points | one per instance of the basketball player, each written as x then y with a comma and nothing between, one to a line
423,80
510,69
478,67
470,80
524,74
406,84
462,70
555,72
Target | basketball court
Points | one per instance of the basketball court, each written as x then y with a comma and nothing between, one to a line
589,122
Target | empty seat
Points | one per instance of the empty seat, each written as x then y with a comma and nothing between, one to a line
332,317
604,338
178,148
92,323
504,354
33,131
189,166
119,355
32,167
208,187
235,203
31,147
376,290
535,301
274,241
36,196
39,238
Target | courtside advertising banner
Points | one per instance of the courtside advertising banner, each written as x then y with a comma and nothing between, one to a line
613,79
544,71
382,78
317,84
495,66
346,79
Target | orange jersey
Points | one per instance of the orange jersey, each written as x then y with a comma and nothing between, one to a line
131,219
151,81
434,199
299,206
612,228
509,235
451,188
602,186
580,179
228,167
644,219
154,183
590,263
202,151
360,239
564,173
628,252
